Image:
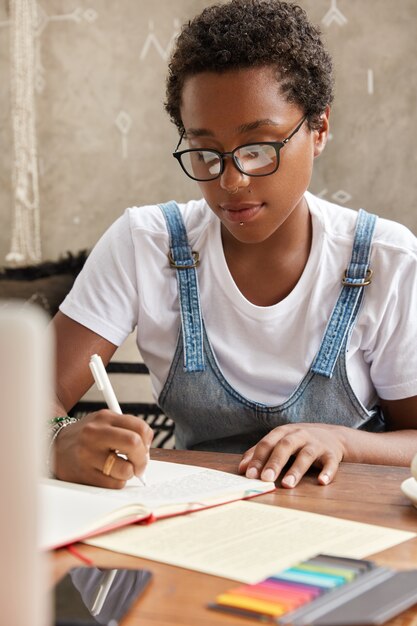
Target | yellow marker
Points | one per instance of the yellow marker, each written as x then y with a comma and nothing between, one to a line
251,604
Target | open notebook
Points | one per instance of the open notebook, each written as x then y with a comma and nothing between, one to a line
73,512
24,393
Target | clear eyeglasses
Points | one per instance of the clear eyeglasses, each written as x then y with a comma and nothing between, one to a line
252,159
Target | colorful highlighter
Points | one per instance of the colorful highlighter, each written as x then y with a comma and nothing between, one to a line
292,588
323,580
346,574
245,602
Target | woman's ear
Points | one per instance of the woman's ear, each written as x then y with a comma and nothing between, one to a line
322,133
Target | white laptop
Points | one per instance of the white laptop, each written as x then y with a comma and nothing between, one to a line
25,377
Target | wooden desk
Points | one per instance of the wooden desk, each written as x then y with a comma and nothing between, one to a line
177,597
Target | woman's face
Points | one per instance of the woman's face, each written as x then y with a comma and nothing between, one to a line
223,111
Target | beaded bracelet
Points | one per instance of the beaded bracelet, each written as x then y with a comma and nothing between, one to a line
56,424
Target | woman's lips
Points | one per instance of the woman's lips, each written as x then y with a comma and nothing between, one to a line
241,212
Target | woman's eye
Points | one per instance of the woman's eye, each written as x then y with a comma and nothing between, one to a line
251,152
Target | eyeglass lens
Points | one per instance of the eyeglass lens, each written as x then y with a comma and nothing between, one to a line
254,159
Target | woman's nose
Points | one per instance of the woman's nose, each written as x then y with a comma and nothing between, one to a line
232,179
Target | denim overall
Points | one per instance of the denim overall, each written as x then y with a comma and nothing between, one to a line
209,414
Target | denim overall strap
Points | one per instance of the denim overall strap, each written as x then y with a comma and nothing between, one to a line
184,261
344,314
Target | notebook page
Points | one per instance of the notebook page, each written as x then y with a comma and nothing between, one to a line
248,541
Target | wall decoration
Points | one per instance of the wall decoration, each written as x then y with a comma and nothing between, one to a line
25,244
43,19
124,123
152,42
340,196
27,22
370,82
334,15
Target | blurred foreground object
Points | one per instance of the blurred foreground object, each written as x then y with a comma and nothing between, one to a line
25,391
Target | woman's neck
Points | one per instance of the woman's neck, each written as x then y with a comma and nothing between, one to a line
268,271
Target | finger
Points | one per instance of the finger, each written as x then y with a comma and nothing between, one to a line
329,471
143,429
134,423
245,460
112,471
94,476
273,452
265,463
128,443
128,434
330,466
117,467
304,460
108,482
146,433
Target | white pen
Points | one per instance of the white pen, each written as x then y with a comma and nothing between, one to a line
102,592
103,383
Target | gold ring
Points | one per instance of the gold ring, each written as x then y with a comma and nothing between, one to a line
108,464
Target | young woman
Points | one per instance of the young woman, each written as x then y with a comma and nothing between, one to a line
274,324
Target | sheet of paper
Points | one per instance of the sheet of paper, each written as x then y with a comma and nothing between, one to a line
69,510
173,482
247,541
68,514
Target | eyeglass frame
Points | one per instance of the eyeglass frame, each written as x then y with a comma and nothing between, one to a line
277,145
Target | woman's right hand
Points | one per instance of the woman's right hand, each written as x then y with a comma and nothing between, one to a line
81,450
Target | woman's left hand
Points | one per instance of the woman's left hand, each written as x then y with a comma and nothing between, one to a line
321,445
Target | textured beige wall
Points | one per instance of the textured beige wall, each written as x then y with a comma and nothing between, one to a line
103,63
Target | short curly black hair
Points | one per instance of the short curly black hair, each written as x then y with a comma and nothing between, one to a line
249,33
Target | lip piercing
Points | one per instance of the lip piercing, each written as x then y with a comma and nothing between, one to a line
240,223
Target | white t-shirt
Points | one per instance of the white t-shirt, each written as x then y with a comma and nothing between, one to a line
264,352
